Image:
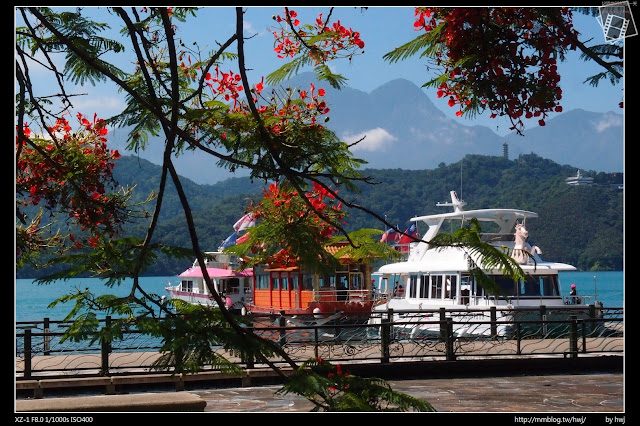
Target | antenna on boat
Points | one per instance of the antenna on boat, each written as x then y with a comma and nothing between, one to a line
461,178
456,203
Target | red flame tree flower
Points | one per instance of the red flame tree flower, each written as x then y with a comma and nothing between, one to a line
292,229
69,173
500,59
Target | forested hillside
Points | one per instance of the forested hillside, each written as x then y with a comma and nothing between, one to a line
580,225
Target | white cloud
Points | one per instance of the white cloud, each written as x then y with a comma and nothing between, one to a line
377,139
608,120
104,105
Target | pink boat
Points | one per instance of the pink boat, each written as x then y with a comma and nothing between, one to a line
235,287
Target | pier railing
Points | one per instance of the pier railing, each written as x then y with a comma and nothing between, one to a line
381,338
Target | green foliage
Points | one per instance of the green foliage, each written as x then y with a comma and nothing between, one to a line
491,258
188,333
330,388
82,34
364,245
113,261
190,336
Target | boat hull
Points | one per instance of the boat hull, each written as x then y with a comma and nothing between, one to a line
496,323
317,313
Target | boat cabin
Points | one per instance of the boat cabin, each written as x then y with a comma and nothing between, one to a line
233,286
454,288
295,290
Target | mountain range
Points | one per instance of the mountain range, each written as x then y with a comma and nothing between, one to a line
404,129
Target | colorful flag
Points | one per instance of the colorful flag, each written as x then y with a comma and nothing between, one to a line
230,241
242,239
246,221
405,240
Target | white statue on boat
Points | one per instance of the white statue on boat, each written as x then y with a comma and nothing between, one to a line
520,253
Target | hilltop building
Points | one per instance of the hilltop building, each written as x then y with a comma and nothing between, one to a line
578,179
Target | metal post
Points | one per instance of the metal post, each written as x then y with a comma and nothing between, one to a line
316,340
283,334
47,338
27,353
443,325
385,338
494,318
105,349
250,359
390,320
592,317
451,356
573,337
543,317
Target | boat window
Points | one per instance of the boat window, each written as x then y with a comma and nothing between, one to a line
262,282
294,281
284,282
436,286
232,285
474,288
326,281
549,285
342,286
307,282
506,284
451,287
342,281
530,286
186,285
275,283
465,289
413,286
424,286
384,285
356,281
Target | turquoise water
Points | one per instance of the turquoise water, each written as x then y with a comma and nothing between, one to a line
607,286
32,300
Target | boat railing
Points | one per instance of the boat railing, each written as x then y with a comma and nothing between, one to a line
579,300
333,295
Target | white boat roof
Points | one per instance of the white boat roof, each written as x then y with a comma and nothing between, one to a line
504,218
453,259
423,259
495,215
452,266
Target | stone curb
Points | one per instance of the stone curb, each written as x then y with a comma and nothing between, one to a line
175,401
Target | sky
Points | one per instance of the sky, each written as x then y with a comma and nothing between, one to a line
382,28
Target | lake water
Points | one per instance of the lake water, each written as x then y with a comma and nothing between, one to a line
32,300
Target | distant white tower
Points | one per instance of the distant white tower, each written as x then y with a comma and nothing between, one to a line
505,150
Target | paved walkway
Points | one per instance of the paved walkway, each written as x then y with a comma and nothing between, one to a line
541,394
553,393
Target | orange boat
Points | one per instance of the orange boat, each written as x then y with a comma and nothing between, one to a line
305,297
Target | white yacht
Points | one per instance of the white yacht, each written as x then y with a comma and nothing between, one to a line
435,281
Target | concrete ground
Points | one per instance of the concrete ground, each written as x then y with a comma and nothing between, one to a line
539,394
555,393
